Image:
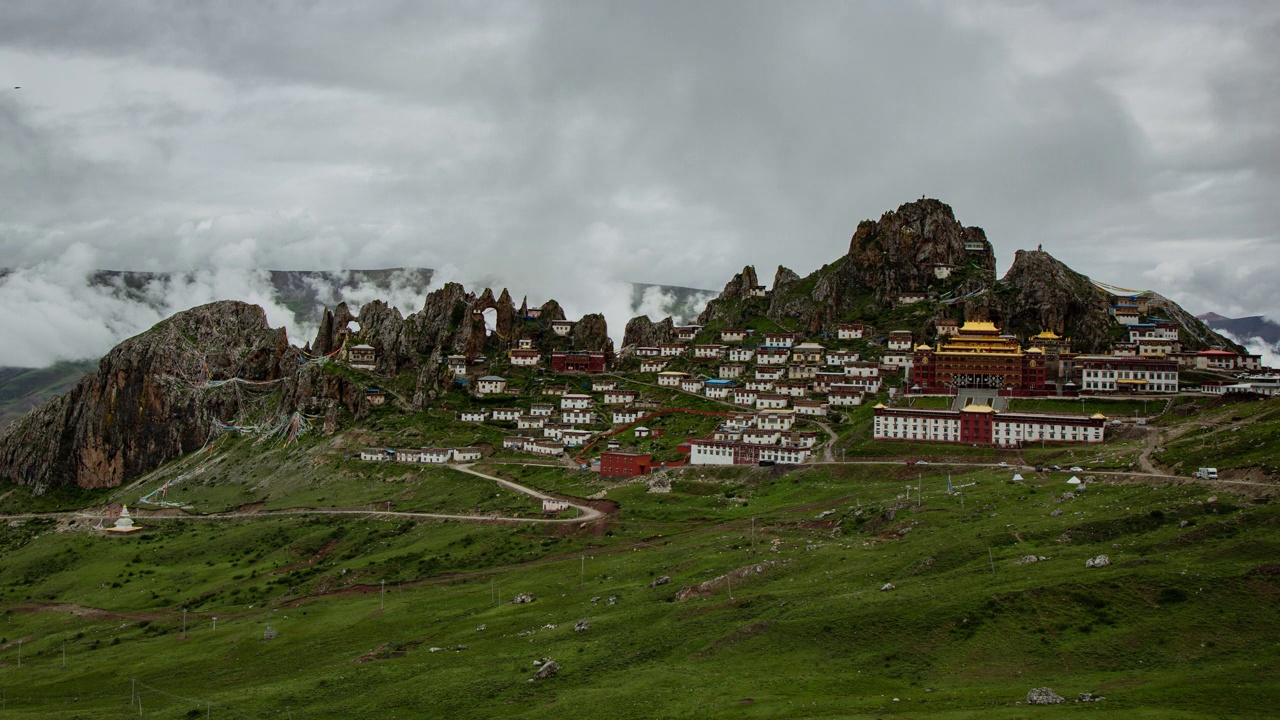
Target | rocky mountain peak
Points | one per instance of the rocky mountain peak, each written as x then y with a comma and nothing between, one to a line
152,398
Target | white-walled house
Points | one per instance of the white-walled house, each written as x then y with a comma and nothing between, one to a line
506,414
473,416
815,408
620,397
574,401
531,422
900,340
577,417
491,385
626,417
671,378
850,331
772,402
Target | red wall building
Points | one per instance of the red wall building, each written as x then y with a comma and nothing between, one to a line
590,362
621,464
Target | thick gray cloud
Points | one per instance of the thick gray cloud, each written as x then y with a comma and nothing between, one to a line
561,148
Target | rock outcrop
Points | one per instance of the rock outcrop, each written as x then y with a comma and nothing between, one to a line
1043,696
727,305
591,333
150,400
1041,293
643,332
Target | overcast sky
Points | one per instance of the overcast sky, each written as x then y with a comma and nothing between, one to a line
560,148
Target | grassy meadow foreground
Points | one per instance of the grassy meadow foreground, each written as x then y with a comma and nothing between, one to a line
788,615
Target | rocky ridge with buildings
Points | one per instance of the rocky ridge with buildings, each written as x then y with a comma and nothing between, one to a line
160,394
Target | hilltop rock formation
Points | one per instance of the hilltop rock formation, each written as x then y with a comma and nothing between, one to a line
643,332
905,250
900,251
1041,293
727,305
139,409
591,333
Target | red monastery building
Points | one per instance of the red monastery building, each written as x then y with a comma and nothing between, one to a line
978,356
621,464
579,361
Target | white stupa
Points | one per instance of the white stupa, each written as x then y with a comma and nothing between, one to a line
124,524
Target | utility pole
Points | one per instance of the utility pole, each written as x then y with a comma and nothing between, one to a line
582,572
215,622
64,653
133,691
729,577
19,652
184,623
382,599
753,535
919,488
991,559
491,595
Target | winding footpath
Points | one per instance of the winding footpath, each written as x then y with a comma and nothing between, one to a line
586,513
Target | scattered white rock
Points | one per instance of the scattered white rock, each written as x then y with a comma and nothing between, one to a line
482,628
660,581
1100,561
581,626
549,667
887,586
1043,696
522,599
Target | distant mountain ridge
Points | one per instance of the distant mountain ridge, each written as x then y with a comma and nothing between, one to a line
1245,328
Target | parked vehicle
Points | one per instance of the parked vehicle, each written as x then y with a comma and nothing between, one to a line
1002,464
1039,468
1076,468
1207,473
1054,467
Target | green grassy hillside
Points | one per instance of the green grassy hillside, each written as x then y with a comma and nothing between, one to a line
1182,623
776,604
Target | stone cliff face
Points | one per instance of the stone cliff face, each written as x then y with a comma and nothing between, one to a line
1041,293
643,332
146,403
905,250
726,306
591,333
900,252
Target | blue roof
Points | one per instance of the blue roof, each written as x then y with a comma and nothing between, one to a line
716,381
